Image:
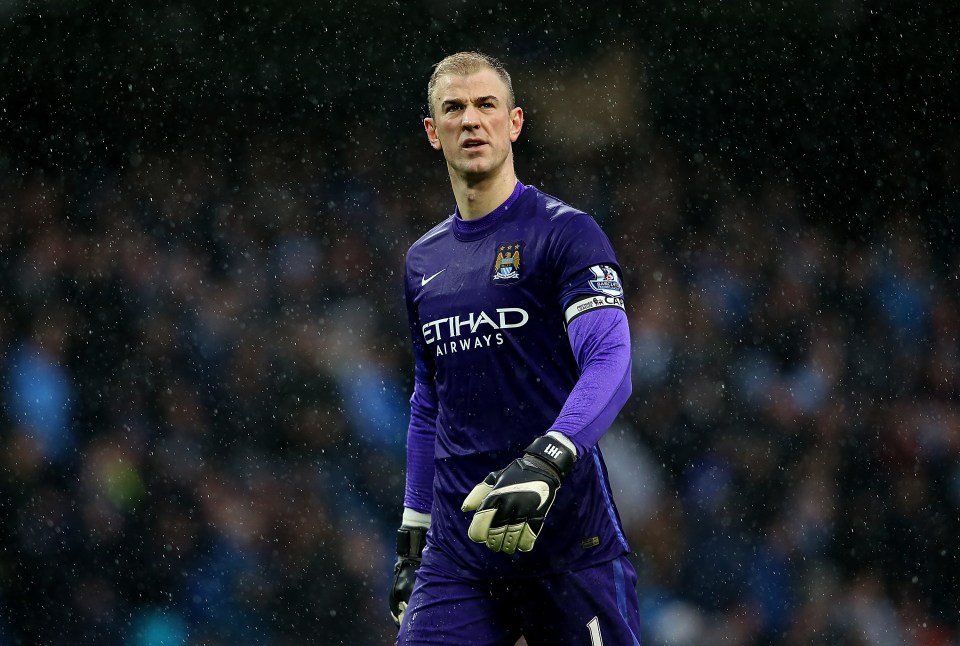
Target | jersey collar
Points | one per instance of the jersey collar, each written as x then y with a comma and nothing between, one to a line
476,229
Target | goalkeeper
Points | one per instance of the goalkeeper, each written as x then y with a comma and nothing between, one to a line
522,361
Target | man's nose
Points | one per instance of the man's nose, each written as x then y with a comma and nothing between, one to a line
471,117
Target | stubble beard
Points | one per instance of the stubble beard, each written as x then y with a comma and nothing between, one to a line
476,171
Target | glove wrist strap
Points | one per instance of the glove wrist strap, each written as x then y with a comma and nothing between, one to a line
553,453
410,542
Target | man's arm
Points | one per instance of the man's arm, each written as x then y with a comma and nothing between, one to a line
600,340
511,504
424,407
421,436
418,488
418,497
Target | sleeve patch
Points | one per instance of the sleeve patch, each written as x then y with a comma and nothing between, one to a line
605,281
588,303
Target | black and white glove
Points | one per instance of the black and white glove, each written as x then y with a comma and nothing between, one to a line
511,504
410,542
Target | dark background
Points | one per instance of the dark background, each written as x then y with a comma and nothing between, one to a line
203,214
855,100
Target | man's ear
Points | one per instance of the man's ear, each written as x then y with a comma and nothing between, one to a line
516,124
431,129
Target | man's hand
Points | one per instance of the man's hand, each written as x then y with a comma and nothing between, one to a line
410,542
511,504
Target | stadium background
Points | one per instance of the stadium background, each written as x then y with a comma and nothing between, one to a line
203,213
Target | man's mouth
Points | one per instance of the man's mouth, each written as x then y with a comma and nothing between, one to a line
473,143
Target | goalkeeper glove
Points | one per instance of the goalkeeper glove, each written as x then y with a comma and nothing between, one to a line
410,542
511,504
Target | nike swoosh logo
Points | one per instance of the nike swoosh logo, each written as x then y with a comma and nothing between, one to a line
424,280
539,488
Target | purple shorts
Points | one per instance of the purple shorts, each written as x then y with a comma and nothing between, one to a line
590,607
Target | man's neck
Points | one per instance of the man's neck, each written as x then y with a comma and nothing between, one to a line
476,199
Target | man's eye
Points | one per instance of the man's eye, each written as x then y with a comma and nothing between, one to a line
451,108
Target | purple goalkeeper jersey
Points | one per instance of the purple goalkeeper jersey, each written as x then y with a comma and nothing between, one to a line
489,301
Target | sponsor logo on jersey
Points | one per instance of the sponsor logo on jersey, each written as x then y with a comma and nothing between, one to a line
426,279
605,280
471,331
506,267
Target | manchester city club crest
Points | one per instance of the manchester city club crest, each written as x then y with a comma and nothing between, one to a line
506,267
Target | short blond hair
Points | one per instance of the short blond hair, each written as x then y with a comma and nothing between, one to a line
464,64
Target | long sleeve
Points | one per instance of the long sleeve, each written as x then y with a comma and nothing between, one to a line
601,345
424,407
421,436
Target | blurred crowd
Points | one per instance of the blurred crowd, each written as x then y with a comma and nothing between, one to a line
205,373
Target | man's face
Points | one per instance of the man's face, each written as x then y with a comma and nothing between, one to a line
473,124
